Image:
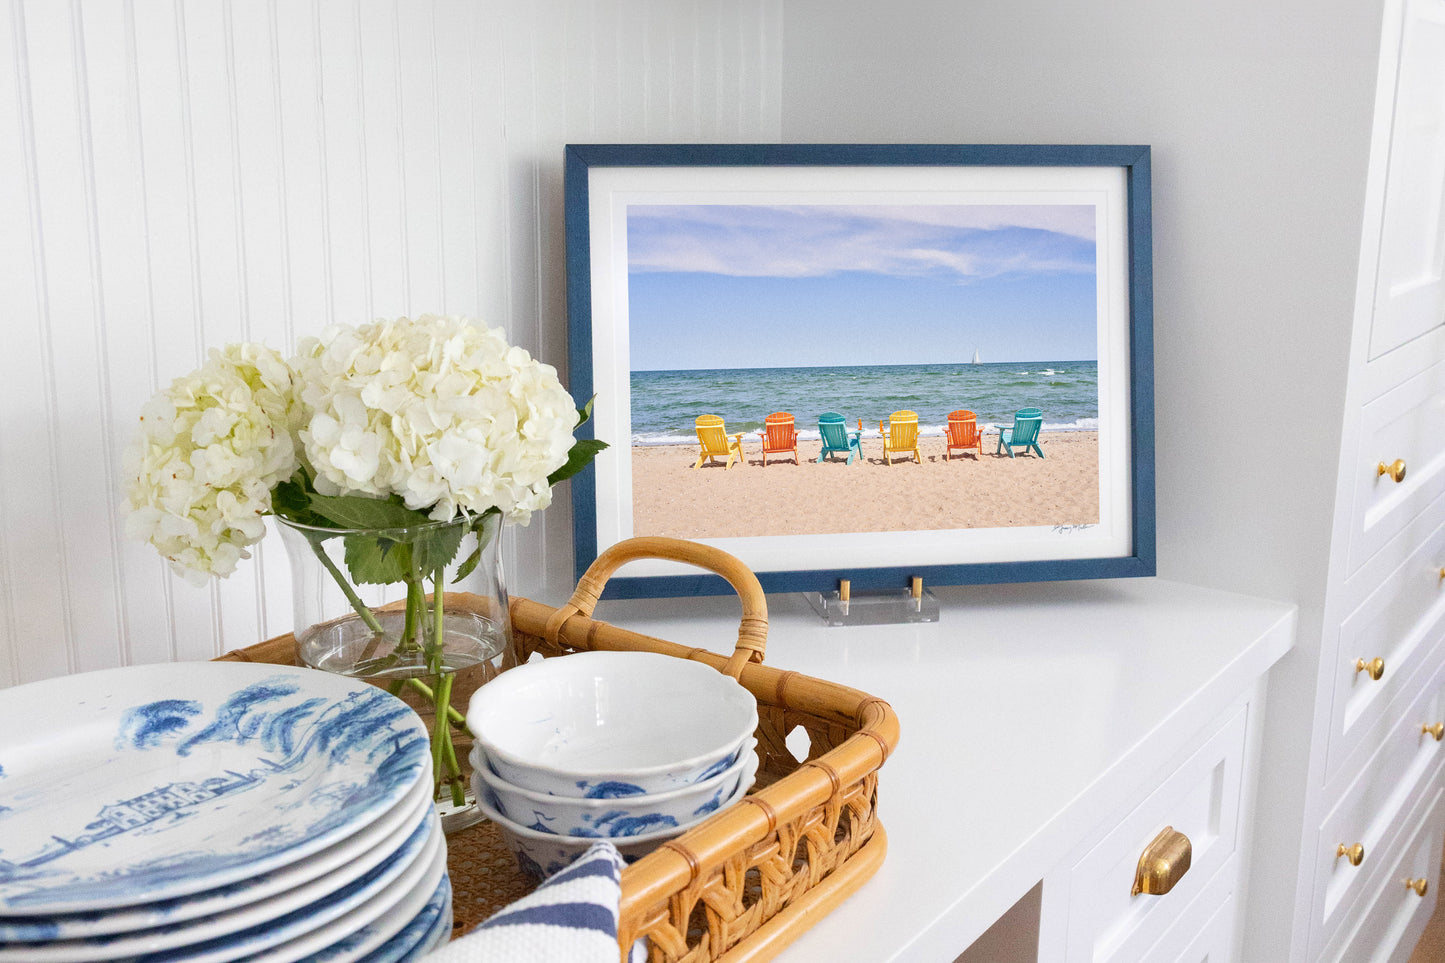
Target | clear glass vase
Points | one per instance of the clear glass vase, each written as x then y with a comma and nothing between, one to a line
365,606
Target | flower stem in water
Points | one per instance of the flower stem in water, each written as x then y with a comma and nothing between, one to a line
366,614
444,754
424,690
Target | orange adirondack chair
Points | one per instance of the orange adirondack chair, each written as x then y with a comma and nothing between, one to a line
962,433
779,436
712,435
900,433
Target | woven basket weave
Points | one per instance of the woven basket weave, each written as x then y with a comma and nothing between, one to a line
748,880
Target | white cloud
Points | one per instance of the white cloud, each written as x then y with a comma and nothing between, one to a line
960,241
1075,220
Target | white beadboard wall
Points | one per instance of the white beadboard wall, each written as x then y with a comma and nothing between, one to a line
179,174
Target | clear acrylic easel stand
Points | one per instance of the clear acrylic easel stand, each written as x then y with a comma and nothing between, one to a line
892,607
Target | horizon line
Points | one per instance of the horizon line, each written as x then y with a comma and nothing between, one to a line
904,364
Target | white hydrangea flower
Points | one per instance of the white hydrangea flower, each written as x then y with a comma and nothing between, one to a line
438,410
209,450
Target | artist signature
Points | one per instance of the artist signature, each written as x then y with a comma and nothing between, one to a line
1067,529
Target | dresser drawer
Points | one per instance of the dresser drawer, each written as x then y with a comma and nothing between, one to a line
1404,425
1391,920
1204,932
1399,624
1370,812
1199,799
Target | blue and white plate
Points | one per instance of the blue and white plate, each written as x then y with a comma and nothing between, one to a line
248,928
440,932
334,867
147,783
350,939
428,930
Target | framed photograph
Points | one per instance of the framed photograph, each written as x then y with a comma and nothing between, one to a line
864,362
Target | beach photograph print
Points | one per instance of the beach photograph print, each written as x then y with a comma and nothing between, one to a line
834,368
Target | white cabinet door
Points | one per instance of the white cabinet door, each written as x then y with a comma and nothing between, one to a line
1410,285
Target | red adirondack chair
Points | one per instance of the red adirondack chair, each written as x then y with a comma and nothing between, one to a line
963,432
779,436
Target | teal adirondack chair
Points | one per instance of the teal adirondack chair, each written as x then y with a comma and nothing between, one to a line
837,439
1024,434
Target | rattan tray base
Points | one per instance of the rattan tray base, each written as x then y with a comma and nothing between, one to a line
484,875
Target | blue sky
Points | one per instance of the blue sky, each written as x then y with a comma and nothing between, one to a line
743,286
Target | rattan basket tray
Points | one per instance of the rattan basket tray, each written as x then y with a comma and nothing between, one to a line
747,881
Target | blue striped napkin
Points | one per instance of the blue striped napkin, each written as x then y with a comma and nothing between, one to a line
570,918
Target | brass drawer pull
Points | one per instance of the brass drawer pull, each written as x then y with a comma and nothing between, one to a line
1355,854
1375,668
1163,863
1396,470
1437,730
1421,886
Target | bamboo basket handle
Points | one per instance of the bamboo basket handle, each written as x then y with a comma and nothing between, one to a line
752,633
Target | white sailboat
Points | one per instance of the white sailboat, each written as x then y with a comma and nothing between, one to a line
976,359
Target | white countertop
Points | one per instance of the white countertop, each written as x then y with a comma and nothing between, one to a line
1014,709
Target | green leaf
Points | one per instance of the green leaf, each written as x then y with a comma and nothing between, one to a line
377,561
435,549
469,565
584,414
359,511
479,525
578,458
291,499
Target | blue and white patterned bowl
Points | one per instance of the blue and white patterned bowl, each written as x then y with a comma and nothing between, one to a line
620,814
541,854
639,722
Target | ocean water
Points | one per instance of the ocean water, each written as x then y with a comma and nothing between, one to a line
666,403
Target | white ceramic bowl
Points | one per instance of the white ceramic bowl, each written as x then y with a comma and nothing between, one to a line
542,854
604,723
618,816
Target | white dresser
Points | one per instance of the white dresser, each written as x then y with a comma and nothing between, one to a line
1050,733
1372,811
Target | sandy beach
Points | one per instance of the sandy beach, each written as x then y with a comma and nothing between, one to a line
783,498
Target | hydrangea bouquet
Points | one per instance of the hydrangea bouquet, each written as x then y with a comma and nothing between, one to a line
395,440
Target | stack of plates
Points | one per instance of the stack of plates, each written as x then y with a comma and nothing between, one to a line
216,811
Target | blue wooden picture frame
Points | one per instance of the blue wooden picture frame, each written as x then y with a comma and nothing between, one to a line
601,180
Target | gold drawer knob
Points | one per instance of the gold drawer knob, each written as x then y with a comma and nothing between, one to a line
1421,886
1375,668
1163,863
1395,469
1355,854
1437,730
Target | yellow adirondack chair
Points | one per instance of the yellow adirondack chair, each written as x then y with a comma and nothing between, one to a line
900,434
716,443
